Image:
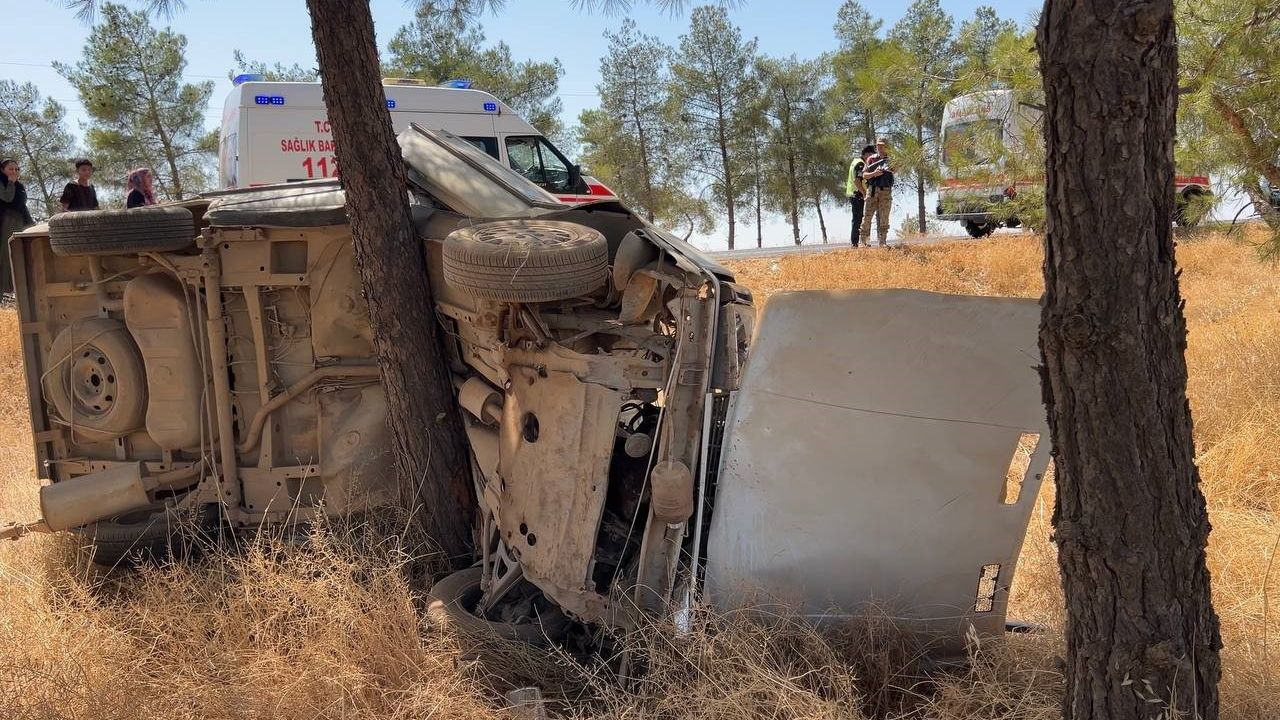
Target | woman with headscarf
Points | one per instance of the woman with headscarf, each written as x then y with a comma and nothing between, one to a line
139,186
14,216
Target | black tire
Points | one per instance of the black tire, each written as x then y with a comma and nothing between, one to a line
122,232
978,230
151,535
526,261
96,379
452,600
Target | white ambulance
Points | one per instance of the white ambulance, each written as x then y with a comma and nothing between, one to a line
978,130
274,132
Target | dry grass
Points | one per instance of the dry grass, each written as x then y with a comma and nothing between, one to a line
333,630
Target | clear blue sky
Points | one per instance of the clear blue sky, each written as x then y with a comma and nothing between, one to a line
44,31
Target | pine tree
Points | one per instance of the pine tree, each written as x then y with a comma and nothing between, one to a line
631,142
714,91
141,112
443,44
1130,521
33,132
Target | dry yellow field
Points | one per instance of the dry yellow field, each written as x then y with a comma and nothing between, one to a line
333,630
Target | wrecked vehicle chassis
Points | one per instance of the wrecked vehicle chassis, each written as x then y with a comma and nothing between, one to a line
638,439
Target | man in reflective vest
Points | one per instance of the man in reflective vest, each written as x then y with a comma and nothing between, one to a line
879,177
855,188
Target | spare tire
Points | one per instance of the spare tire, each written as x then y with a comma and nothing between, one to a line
95,378
122,232
526,261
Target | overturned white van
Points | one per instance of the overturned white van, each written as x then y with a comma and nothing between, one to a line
638,438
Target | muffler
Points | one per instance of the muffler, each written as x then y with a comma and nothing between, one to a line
97,496
93,497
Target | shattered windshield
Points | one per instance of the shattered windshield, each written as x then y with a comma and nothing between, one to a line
486,186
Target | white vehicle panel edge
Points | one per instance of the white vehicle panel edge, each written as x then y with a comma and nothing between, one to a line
866,457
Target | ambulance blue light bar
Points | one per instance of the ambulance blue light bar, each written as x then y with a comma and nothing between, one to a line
268,99
243,78
459,84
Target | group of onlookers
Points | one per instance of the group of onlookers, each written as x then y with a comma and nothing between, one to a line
78,195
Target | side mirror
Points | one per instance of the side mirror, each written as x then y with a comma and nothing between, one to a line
575,178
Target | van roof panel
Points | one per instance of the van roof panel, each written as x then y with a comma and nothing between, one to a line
408,98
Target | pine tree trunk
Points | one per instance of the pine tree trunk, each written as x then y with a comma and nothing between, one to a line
822,223
1130,523
921,185
428,440
759,193
725,167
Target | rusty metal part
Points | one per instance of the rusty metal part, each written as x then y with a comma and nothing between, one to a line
105,302
89,498
556,439
323,373
637,445
156,313
480,399
14,531
680,439
215,325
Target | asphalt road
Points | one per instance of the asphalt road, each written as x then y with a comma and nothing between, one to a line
807,249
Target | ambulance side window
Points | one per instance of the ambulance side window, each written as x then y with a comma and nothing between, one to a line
533,157
487,144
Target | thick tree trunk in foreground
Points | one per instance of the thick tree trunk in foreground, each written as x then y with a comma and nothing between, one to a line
1130,524
428,440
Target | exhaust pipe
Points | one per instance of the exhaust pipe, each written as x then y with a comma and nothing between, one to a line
96,496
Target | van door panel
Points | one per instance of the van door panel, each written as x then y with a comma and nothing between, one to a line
868,454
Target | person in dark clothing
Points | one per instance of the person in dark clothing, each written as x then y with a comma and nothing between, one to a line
855,188
140,189
80,195
14,216
879,176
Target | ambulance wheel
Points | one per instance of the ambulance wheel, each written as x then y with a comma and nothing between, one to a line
526,261
979,230
122,232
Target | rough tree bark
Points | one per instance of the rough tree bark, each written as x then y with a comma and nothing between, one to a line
1130,523
430,448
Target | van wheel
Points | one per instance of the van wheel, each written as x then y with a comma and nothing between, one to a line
122,232
979,230
150,535
96,381
526,261
452,601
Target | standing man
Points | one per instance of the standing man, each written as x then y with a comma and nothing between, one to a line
878,175
855,188
80,195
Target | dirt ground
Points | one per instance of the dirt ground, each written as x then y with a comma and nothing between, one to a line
334,631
